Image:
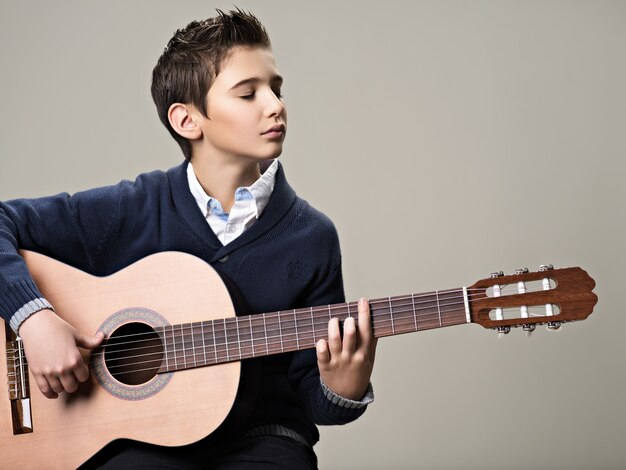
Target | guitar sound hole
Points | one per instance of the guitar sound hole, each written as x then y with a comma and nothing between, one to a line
133,353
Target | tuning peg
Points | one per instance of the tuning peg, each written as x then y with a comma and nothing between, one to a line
521,271
497,274
546,267
503,330
554,325
529,328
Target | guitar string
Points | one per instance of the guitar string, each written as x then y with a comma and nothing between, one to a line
323,310
233,357
377,321
191,329
226,346
410,319
304,311
334,307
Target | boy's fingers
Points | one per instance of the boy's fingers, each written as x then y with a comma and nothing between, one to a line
68,382
349,335
89,342
323,354
334,337
55,383
44,387
81,372
365,326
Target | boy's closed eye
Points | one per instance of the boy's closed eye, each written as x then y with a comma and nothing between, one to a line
251,96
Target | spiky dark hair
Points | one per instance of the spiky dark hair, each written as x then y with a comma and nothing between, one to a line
194,57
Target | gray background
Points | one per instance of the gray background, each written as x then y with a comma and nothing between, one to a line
445,139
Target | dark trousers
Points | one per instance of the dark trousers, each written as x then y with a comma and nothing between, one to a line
246,453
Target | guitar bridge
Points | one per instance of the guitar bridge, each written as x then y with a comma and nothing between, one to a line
18,385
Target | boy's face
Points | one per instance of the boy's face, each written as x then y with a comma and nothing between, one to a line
240,113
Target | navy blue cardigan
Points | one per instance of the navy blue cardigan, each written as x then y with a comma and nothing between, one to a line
289,258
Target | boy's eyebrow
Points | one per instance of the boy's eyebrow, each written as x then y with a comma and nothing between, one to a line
275,79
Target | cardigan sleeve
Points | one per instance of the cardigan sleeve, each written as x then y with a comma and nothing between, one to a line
321,404
73,229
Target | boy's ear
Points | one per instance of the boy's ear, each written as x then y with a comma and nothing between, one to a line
181,117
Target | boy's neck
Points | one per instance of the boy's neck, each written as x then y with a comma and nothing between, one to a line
220,179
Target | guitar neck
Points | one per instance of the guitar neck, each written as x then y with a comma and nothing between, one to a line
211,342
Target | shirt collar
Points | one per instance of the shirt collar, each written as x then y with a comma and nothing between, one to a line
261,189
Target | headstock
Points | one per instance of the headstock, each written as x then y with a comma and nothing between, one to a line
548,296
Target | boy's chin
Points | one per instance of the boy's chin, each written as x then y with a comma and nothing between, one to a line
272,155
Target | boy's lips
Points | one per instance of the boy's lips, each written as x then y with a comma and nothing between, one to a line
276,128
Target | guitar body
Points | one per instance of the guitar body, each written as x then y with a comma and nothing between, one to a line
169,409
169,316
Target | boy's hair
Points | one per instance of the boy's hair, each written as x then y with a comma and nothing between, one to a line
194,57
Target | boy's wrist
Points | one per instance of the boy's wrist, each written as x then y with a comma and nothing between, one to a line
338,400
27,311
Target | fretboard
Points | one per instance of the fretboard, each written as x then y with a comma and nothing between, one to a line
211,342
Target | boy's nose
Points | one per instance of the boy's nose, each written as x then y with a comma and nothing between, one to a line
275,106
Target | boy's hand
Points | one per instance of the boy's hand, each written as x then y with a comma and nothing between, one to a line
51,346
346,366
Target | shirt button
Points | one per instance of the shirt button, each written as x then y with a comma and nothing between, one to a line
223,259
231,228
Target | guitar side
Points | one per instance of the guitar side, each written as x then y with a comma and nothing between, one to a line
186,407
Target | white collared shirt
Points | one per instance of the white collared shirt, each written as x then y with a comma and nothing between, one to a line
249,204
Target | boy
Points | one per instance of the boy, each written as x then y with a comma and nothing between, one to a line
217,90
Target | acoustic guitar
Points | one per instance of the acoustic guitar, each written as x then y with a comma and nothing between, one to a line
169,369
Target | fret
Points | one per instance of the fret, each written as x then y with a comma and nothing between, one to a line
393,323
193,348
414,313
304,328
165,346
403,319
233,344
246,346
429,312
443,310
179,346
259,340
252,338
453,308
203,342
295,322
267,349
226,342
280,332
438,307
238,337
312,324
272,333
214,344
189,344
229,324
169,332
182,337
196,341
219,339
381,319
